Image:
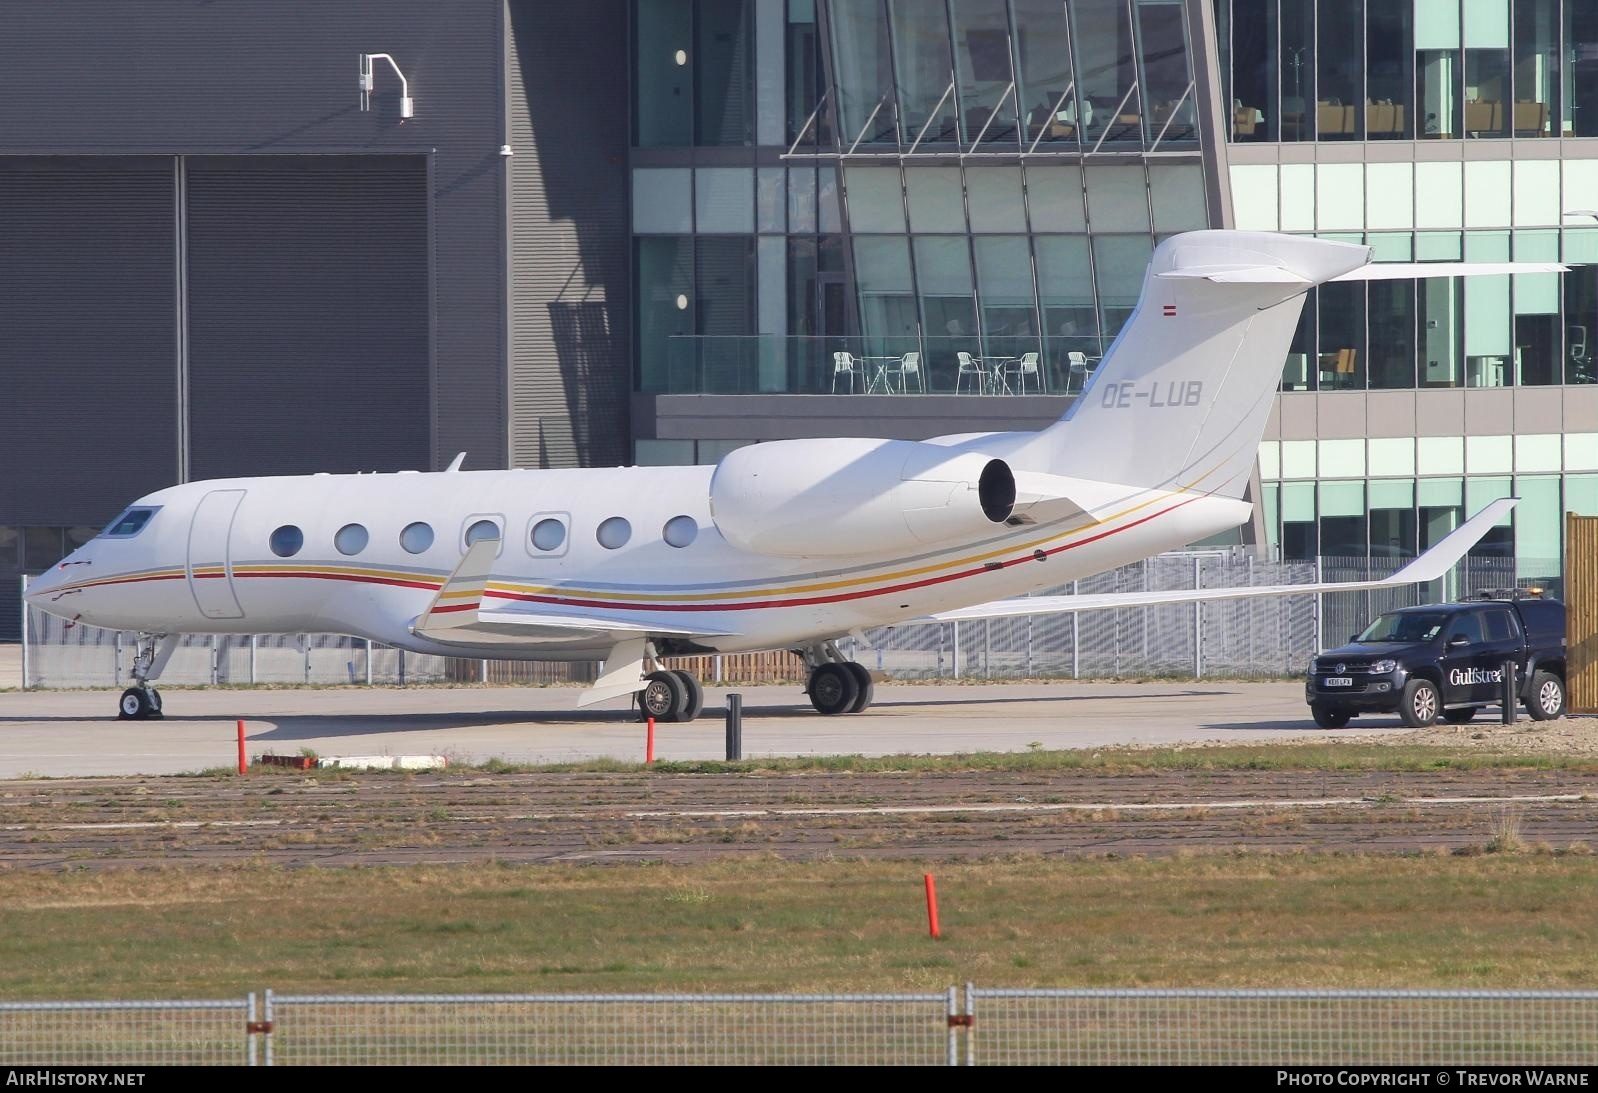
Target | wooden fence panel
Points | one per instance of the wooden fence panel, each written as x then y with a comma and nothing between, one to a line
1581,612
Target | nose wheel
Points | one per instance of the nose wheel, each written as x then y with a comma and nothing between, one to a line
142,702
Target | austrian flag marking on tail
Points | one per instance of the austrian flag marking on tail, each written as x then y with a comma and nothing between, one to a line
1170,311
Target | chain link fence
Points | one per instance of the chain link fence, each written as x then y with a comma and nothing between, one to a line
617,1029
1263,637
976,1026
1281,1027
219,1032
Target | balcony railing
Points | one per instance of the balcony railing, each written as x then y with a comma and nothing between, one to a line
995,366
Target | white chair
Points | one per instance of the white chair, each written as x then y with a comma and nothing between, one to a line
1076,370
970,366
844,364
909,369
1027,365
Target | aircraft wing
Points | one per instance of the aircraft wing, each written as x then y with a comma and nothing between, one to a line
1428,567
457,616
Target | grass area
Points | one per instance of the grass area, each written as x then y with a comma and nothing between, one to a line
1500,920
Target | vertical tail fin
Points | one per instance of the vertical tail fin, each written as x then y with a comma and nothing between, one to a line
1182,396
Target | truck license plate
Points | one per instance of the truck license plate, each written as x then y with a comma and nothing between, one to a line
1336,681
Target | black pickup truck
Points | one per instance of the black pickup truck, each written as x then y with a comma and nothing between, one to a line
1445,660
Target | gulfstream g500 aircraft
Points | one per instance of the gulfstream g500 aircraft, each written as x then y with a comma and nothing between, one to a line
784,545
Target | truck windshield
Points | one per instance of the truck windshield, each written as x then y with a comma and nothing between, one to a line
1405,626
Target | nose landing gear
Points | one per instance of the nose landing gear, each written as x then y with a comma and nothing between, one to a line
142,702
837,685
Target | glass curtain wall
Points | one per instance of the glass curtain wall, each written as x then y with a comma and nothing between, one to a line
1046,87
1529,330
924,72
692,80
985,69
1580,107
1409,69
862,75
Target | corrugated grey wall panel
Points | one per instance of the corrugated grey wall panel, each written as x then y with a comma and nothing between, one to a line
567,92
308,316
10,614
88,339
232,77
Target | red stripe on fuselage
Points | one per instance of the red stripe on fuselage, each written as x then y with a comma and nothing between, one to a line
840,597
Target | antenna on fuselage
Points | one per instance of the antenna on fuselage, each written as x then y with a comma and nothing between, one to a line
455,464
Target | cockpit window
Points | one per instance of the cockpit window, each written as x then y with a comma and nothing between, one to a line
130,523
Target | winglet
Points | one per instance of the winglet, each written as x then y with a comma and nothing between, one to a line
1435,563
1441,558
458,600
455,464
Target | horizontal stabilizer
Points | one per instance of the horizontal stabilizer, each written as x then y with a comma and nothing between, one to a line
1376,271
1428,567
1239,275
1399,271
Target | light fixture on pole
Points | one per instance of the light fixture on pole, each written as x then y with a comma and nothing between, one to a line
407,105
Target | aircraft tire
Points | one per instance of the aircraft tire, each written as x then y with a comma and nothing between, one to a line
155,703
833,689
868,689
696,696
134,705
664,697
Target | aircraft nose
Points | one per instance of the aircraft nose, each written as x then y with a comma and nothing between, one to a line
40,587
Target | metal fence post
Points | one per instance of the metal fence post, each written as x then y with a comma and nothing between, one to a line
1076,639
116,663
368,662
970,1023
954,1029
402,667
255,640
215,658
24,599
956,649
250,1032
266,1017
1198,622
1320,606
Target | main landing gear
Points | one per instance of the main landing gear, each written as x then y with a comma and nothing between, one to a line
142,702
837,685
670,696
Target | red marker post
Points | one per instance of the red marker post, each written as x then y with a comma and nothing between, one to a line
932,906
243,766
649,744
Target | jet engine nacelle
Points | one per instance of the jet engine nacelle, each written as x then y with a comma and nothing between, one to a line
804,498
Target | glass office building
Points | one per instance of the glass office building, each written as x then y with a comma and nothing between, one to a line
898,207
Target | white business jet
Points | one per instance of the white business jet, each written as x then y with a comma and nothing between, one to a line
785,545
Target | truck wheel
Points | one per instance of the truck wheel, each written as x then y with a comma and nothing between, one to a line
1547,700
1460,717
1420,704
1328,717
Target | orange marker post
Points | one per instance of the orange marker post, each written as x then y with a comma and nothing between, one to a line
649,745
932,906
243,766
